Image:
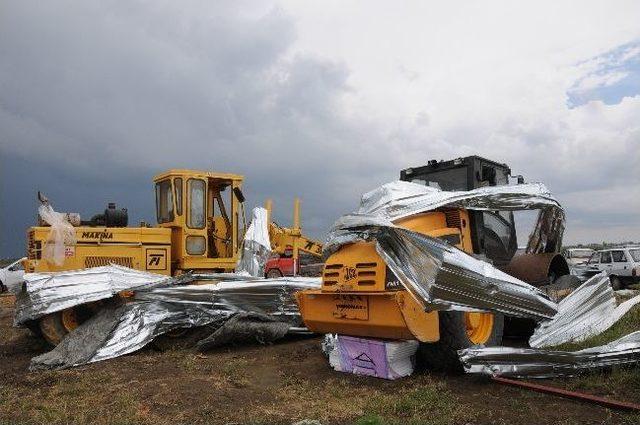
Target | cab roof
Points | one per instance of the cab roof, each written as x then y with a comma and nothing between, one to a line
185,173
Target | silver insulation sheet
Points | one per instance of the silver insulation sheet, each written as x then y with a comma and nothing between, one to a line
588,311
447,278
118,330
400,199
256,247
437,274
45,293
539,363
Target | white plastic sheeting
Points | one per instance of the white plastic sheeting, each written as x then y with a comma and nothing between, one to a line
62,234
540,363
588,311
256,247
442,276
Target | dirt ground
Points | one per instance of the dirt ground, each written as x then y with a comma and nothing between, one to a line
282,383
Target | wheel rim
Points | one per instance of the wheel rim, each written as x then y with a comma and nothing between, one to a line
69,319
479,326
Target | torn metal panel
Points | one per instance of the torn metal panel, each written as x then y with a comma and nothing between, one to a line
256,247
118,330
441,276
588,311
45,293
539,363
447,278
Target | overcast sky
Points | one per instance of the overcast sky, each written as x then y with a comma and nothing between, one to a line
324,100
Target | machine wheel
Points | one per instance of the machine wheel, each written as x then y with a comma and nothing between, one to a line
460,330
616,283
273,274
562,286
55,326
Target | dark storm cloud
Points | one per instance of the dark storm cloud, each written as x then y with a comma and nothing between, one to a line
99,96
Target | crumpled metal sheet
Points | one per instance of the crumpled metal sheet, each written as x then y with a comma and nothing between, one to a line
256,247
441,276
400,199
447,278
45,293
588,311
118,330
539,363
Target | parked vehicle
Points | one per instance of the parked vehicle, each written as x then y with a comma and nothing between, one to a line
575,256
11,275
621,264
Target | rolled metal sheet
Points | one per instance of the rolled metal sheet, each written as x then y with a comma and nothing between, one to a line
588,311
539,363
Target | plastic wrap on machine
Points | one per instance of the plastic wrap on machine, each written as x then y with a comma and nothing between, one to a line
442,276
61,234
256,247
539,363
588,311
121,329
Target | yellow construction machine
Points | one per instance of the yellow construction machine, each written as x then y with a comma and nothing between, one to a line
200,227
360,296
288,244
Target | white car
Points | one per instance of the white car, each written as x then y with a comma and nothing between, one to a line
621,264
11,276
576,256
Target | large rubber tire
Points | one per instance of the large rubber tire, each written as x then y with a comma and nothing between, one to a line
52,329
443,355
562,287
616,283
55,326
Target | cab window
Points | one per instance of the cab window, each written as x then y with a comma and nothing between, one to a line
618,257
196,217
178,184
164,201
595,258
606,257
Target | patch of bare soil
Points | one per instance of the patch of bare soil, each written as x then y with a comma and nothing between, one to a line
280,383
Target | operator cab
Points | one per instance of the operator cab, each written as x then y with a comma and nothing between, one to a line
493,233
203,209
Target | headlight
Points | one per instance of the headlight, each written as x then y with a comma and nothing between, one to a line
196,245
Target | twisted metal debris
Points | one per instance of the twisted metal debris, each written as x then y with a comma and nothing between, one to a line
437,274
160,304
538,363
589,310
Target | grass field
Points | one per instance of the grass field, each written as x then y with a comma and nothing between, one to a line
282,383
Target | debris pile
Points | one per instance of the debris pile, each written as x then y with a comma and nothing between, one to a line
158,305
439,275
588,311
